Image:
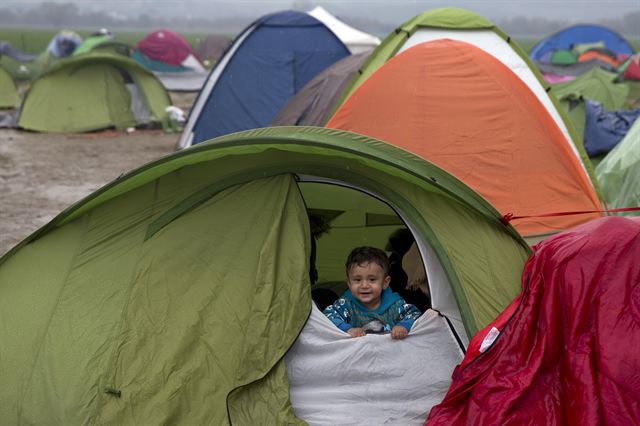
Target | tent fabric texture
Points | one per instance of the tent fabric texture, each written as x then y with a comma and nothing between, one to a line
503,144
619,172
314,104
357,41
581,34
187,280
268,63
605,129
168,47
9,97
569,353
462,25
94,91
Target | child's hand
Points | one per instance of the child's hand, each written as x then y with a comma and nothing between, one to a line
356,332
398,332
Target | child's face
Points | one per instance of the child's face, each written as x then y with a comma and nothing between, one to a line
366,282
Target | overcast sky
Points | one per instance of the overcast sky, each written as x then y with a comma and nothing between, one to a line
394,11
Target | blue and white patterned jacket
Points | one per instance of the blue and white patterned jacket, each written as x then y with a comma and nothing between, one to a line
348,312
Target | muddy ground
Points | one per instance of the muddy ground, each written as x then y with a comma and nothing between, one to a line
42,174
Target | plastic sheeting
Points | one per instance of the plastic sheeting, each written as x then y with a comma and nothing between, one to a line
570,354
604,130
338,380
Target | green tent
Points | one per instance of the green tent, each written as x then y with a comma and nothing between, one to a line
597,85
563,57
8,91
463,25
619,172
94,91
171,295
103,43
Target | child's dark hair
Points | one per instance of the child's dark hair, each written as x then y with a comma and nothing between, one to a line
362,255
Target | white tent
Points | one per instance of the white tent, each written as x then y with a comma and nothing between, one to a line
357,41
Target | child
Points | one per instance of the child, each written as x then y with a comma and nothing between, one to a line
369,298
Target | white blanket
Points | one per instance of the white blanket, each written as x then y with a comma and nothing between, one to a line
371,380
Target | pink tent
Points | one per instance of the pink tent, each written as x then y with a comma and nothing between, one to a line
166,46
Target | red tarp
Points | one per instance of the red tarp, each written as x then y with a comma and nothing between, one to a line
165,46
569,352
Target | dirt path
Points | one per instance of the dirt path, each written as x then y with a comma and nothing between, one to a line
42,174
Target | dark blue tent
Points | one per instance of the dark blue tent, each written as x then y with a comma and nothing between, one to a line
603,130
264,68
580,34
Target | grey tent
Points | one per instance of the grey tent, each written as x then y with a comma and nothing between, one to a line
212,47
315,103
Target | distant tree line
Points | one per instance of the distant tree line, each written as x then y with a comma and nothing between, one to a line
57,15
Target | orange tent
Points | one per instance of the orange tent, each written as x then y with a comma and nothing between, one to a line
457,106
592,54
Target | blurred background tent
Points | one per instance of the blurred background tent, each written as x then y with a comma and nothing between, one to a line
211,48
598,85
603,130
314,104
103,40
601,108
172,60
8,91
268,63
578,39
455,105
91,92
619,172
357,41
170,49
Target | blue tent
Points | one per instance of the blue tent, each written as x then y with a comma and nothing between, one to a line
264,68
580,34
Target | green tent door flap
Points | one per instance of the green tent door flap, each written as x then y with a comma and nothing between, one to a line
161,308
